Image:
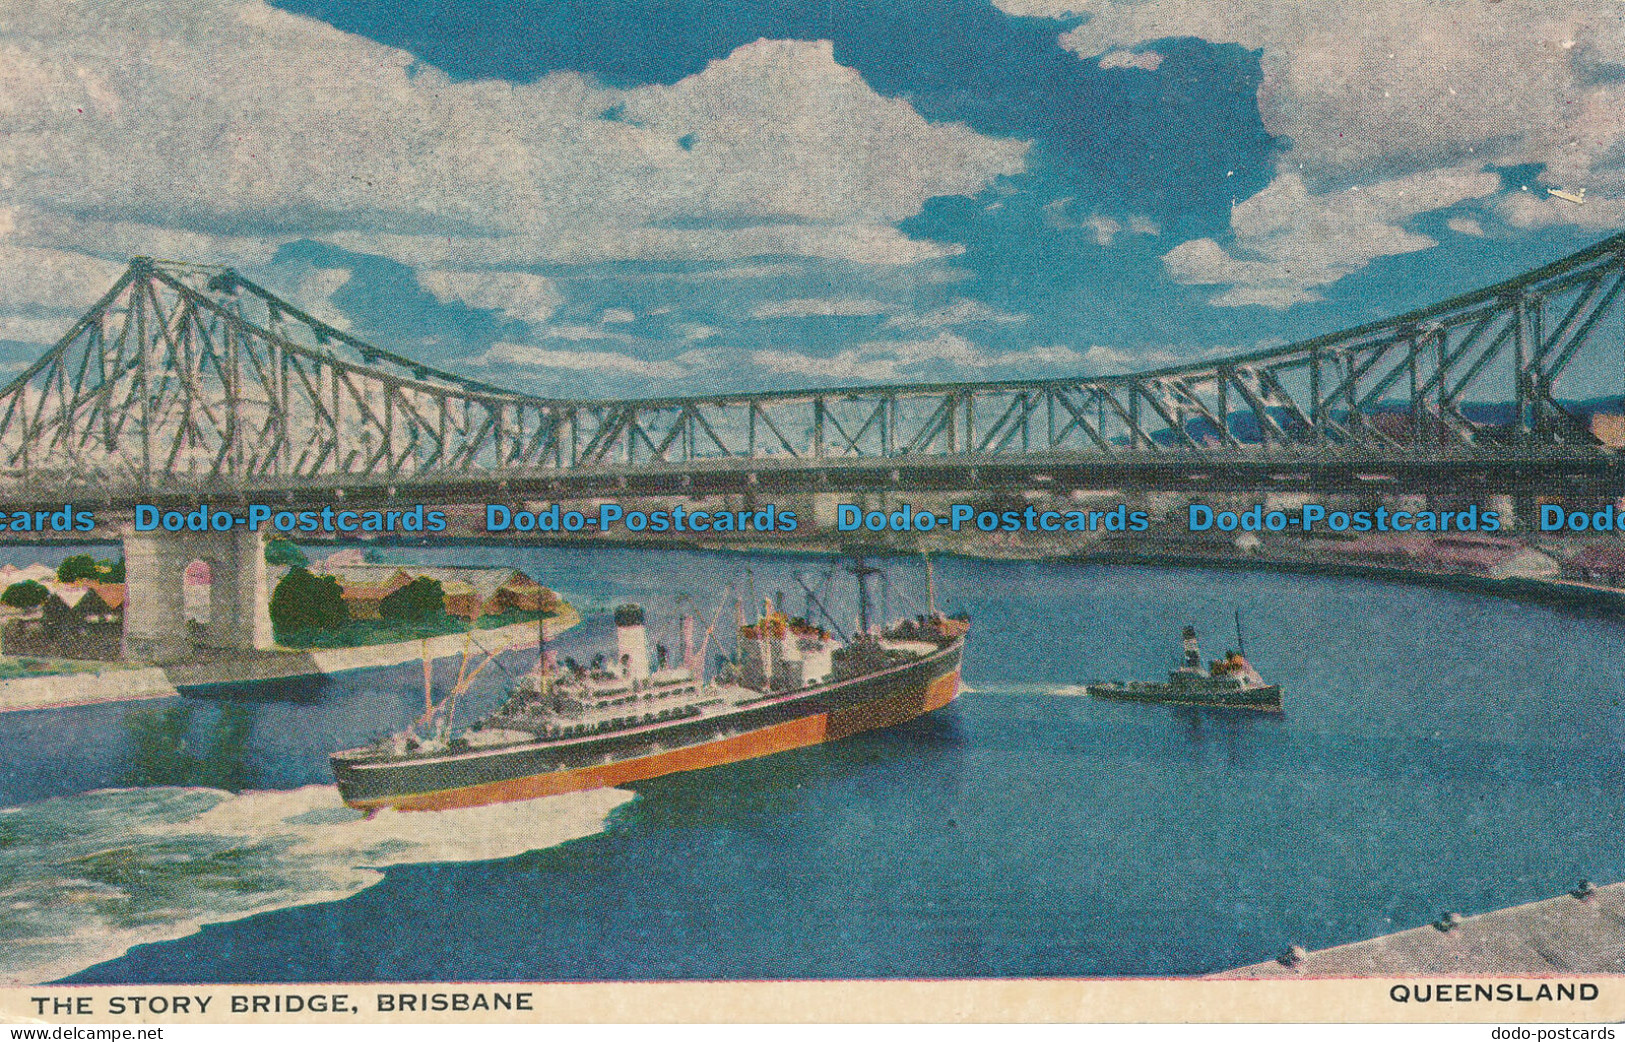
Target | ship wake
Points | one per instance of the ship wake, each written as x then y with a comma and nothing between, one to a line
85,878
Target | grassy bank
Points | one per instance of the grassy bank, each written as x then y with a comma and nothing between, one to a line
35,666
360,633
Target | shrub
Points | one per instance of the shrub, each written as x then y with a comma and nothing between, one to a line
26,594
76,568
83,566
417,600
305,602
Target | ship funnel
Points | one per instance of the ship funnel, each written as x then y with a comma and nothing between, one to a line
1193,654
689,657
631,642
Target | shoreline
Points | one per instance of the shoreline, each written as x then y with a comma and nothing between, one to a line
1520,588
284,666
280,666
1546,591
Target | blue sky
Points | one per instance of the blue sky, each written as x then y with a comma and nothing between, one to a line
672,196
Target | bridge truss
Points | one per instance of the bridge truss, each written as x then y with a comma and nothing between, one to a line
194,379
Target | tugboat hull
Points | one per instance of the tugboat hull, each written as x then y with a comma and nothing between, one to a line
1266,699
544,768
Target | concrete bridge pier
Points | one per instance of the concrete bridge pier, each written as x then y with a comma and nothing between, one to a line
155,625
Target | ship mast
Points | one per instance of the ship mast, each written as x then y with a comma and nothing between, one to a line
863,570
699,674
428,680
814,602
541,649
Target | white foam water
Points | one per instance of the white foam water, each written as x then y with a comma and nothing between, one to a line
85,878
1026,690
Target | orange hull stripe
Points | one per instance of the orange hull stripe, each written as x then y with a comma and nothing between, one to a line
793,734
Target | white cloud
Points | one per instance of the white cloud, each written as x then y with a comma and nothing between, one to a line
741,271
236,120
43,290
1104,361
1386,84
838,307
692,331
314,292
1150,61
885,361
116,241
508,356
32,275
962,311
616,316
1532,210
33,330
519,295
1465,226
726,273
578,331
1367,93
858,243
1103,228
1305,241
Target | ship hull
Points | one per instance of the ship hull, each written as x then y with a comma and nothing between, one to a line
823,714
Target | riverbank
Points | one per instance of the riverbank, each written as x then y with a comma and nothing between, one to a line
279,666
288,666
1280,558
1522,588
1287,556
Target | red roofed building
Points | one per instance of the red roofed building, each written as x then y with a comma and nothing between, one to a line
1603,564
1497,557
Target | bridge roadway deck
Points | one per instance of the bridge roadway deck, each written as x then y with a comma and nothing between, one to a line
1561,936
1547,470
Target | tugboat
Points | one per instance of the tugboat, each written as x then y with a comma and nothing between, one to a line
793,684
1228,683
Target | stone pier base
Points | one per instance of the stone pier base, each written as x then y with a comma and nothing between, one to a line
155,626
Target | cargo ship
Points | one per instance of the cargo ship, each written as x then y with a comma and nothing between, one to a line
563,729
1228,683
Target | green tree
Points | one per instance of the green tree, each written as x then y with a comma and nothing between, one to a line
26,594
307,602
113,571
280,551
414,602
76,568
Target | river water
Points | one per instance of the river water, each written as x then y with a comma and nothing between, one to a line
1440,751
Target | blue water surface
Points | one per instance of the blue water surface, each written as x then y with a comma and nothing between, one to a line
1441,751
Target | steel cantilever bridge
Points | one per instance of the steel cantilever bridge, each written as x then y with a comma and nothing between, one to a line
188,383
